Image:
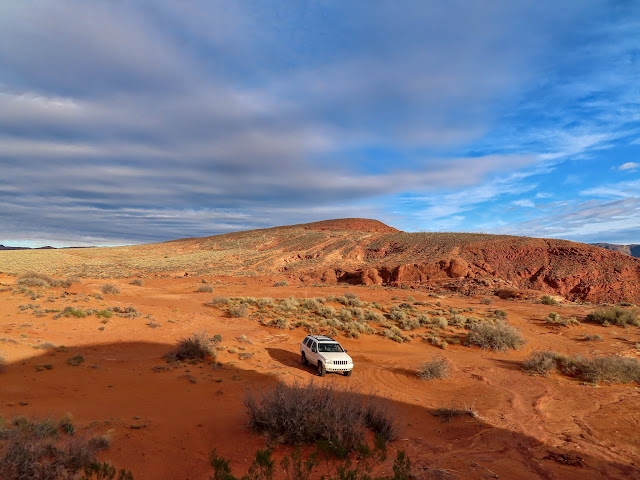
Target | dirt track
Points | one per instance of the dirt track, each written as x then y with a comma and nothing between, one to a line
525,426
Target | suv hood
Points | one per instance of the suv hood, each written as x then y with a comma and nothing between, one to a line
332,356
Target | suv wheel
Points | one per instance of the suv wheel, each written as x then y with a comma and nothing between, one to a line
348,373
304,359
321,370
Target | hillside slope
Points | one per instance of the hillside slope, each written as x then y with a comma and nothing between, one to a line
360,251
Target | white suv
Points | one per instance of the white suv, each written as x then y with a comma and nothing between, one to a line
327,354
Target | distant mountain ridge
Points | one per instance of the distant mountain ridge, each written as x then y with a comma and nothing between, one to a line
5,247
632,249
364,252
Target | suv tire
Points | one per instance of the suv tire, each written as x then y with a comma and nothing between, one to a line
321,370
348,373
304,360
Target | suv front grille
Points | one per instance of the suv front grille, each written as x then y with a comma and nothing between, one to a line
340,362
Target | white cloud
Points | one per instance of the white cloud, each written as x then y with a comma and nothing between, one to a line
524,203
629,166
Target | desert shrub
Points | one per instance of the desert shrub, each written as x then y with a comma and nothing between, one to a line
217,301
35,450
75,361
486,301
110,289
610,369
264,302
205,289
349,300
138,282
34,279
592,338
423,319
438,367
296,467
281,283
499,336
409,323
446,414
297,414
397,314
281,323
373,316
540,362
548,300
500,313
238,310
555,319
104,313
614,316
72,312
344,315
195,347
310,304
598,369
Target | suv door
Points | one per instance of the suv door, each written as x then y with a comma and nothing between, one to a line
313,354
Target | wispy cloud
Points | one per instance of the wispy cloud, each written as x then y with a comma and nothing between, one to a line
629,166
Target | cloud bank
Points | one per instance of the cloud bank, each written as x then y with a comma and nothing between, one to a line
124,123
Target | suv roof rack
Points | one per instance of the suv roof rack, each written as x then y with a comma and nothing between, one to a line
322,338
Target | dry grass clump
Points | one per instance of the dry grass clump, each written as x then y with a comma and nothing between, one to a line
306,414
281,283
610,369
555,319
540,362
109,289
238,310
46,450
437,368
446,414
196,347
614,316
35,279
205,289
138,282
499,336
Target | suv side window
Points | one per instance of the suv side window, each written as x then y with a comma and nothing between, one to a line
314,347
307,342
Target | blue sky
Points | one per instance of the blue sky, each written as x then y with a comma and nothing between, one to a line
134,122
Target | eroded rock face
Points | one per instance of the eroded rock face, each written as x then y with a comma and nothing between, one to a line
571,272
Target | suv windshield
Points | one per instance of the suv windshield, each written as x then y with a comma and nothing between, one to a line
329,347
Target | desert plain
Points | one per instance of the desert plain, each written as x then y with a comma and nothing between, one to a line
121,310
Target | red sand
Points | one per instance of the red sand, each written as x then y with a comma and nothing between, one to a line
523,419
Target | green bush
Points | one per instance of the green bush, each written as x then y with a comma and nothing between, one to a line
548,300
205,289
282,283
499,336
614,316
138,282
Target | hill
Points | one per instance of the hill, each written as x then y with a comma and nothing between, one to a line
632,250
360,251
